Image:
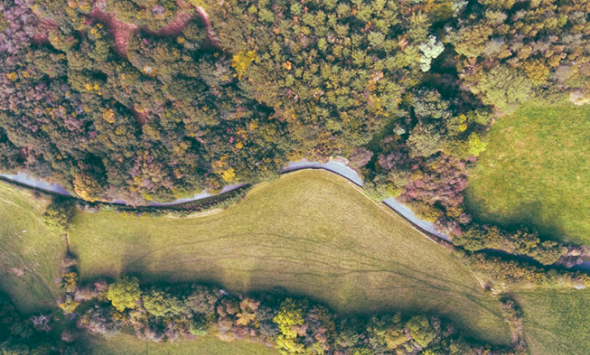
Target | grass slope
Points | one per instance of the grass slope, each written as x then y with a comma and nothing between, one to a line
311,232
536,171
556,322
131,345
29,255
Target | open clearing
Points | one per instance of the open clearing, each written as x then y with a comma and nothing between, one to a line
311,232
556,322
536,172
130,345
29,255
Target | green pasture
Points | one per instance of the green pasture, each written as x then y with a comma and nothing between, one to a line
536,172
30,256
129,344
311,232
556,322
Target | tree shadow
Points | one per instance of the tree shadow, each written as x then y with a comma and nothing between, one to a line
532,215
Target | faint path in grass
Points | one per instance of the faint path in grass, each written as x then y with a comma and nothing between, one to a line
312,233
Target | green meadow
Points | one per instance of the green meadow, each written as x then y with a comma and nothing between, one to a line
312,233
536,172
30,256
556,322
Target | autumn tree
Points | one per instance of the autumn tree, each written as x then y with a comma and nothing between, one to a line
124,293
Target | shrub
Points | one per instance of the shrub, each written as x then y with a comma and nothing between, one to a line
70,281
102,320
69,305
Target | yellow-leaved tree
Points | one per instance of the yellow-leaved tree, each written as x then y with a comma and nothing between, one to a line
241,61
124,293
289,319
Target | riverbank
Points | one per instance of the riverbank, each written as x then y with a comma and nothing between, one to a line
337,165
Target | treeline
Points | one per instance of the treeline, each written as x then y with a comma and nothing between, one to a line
521,242
502,273
291,325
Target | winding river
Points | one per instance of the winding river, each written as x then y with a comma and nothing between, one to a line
338,166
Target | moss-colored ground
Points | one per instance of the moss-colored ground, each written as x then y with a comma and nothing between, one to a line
29,255
536,171
311,232
131,345
556,322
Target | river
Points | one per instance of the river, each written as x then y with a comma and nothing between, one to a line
338,166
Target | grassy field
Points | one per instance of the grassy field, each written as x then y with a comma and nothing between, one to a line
556,322
29,255
311,232
536,171
130,345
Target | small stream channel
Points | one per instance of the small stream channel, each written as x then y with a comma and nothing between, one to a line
338,166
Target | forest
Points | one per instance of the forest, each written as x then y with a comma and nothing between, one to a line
141,100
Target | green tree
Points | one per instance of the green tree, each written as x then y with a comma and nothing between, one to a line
472,40
421,330
504,88
87,187
162,304
241,61
430,50
288,319
537,71
476,146
425,140
124,293
57,216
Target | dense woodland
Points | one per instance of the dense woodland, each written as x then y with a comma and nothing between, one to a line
155,99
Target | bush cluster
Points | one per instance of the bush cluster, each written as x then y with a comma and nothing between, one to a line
521,242
58,214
